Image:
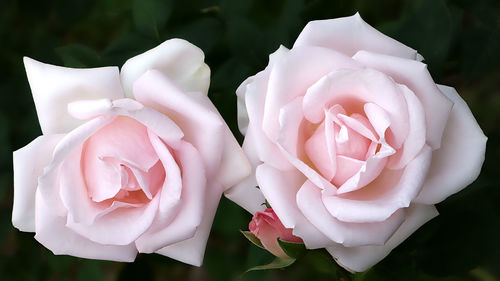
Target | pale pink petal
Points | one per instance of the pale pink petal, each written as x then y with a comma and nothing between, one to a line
177,59
392,190
352,89
246,193
92,220
362,258
415,76
254,94
192,203
54,87
192,250
293,75
321,153
369,171
73,190
280,188
290,119
241,92
347,167
29,162
53,234
416,135
48,182
202,127
458,162
348,234
125,140
349,35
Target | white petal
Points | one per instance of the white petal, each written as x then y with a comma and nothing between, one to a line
362,258
29,162
53,234
192,250
54,87
246,194
458,162
349,35
179,60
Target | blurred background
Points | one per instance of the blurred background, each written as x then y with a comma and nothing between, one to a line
459,39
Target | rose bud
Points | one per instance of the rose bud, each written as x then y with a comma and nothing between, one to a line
268,228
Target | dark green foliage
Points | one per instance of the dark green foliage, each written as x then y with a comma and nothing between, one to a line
460,40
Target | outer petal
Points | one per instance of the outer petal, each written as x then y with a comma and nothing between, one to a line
280,189
349,35
362,258
202,127
190,213
241,92
29,162
349,234
179,60
54,87
192,250
416,77
246,194
458,162
292,76
53,234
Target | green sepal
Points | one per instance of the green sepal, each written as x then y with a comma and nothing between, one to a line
252,238
277,263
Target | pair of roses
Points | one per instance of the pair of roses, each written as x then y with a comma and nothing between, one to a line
346,135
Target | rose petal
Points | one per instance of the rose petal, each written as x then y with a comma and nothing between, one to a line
458,162
362,258
48,182
255,96
192,250
348,234
280,188
192,204
246,193
292,76
29,162
125,140
416,134
354,88
415,76
54,87
377,201
177,59
243,118
53,234
90,219
349,35
202,127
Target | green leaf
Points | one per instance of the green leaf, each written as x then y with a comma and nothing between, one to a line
76,55
150,16
292,249
277,263
252,238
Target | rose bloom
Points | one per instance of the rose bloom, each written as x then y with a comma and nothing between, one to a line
131,161
268,228
352,141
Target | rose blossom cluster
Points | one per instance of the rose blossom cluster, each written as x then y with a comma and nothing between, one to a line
352,142
347,137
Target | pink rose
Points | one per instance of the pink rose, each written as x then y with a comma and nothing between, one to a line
352,141
268,228
131,161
